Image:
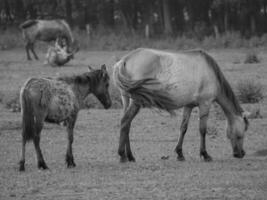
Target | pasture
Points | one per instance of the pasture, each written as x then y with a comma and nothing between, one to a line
156,174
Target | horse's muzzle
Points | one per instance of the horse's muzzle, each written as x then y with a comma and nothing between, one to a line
107,105
239,154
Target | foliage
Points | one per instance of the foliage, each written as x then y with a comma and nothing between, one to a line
173,17
251,57
250,91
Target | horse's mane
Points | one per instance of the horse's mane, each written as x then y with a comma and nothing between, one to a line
137,90
224,84
28,23
88,77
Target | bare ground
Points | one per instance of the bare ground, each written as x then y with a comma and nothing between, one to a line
156,174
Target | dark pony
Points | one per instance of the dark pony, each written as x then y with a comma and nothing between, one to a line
58,100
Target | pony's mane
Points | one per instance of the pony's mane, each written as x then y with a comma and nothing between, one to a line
224,84
88,77
28,23
149,98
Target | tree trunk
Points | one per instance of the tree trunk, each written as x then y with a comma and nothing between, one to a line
167,18
68,7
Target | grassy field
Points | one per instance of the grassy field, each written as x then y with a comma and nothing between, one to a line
156,174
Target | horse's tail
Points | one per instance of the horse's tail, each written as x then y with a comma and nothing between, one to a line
27,115
28,23
147,92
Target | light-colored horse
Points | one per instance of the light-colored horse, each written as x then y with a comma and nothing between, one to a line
58,55
47,31
58,100
169,81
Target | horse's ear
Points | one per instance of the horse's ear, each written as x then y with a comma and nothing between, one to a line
104,68
90,68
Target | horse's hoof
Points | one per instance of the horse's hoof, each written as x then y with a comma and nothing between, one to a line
206,157
132,159
21,167
70,161
42,165
123,160
71,165
180,158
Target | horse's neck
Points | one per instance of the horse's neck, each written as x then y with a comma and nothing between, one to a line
230,110
80,93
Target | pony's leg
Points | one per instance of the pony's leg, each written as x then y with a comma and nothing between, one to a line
22,160
36,141
183,128
203,118
27,48
69,156
33,52
124,143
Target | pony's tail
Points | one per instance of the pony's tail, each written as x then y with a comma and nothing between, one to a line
27,116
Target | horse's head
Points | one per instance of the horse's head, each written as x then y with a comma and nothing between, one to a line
236,133
101,87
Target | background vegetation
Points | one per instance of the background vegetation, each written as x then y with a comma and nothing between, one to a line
127,24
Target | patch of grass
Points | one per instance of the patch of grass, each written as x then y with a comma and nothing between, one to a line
103,38
10,39
249,91
251,58
10,99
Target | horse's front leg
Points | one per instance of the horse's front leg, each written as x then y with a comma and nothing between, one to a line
70,126
124,143
33,52
203,118
27,48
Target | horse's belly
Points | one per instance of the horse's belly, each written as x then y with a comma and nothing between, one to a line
60,108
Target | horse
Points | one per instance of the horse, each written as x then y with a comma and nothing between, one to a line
168,81
57,55
57,100
47,31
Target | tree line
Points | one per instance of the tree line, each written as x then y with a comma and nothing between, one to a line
194,18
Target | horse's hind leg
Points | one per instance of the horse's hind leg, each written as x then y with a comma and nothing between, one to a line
22,160
36,141
69,156
203,118
183,128
124,143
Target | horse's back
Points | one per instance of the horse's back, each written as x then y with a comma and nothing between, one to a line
52,96
186,76
46,30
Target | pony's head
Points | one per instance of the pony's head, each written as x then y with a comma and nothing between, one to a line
100,86
236,133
